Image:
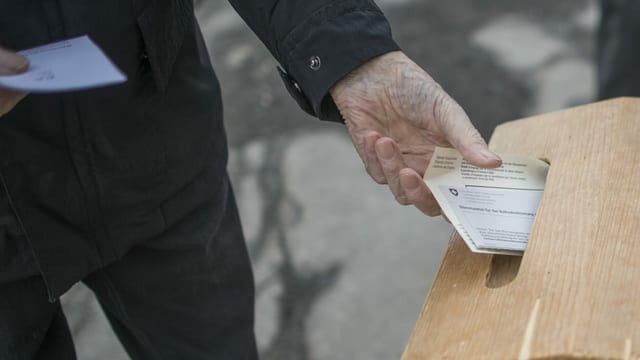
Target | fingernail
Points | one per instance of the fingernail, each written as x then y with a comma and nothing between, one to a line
410,182
385,150
490,155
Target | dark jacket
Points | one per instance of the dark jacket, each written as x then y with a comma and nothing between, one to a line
88,175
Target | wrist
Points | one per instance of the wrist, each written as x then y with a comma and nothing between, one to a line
365,89
366,70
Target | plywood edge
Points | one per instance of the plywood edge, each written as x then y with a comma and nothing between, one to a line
441,269
619,102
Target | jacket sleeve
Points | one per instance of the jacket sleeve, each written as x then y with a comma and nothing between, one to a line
317,42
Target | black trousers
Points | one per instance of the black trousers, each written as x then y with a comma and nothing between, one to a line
188,294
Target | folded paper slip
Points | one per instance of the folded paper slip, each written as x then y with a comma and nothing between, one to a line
492,209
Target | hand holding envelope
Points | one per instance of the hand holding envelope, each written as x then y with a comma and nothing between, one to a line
67,65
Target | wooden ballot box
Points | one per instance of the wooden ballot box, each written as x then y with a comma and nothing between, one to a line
575,294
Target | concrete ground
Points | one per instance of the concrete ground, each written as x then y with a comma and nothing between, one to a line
341,270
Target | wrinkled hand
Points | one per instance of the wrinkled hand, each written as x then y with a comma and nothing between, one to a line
10,64
396,115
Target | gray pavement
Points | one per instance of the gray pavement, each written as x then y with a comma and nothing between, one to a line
341,270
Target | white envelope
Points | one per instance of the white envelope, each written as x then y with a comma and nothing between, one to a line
492,209
67,65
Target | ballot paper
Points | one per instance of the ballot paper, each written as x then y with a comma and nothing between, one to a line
492,209
67,65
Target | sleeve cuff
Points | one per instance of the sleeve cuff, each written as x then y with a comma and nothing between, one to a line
326,47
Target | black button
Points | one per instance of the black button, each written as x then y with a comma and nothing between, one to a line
315,63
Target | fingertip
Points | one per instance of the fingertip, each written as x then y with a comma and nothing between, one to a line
12,63
490,160
491,157
482,157
429,208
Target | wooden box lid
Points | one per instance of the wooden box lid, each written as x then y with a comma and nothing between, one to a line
576,292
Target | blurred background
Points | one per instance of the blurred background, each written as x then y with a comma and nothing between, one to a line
341,269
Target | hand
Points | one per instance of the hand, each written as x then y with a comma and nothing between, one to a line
396,115
10,64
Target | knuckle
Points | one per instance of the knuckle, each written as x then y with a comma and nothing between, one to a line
431,208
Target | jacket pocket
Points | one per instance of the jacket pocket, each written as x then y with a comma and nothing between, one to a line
163,25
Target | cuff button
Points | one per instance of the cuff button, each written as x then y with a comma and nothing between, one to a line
315,63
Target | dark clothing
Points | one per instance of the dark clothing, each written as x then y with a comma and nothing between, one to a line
122,187
318,42
93,173
185,295
619,49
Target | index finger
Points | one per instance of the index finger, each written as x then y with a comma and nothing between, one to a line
461,133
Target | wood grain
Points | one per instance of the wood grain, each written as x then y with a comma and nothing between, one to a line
576,294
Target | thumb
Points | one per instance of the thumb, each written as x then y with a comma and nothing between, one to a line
461,133
12,63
